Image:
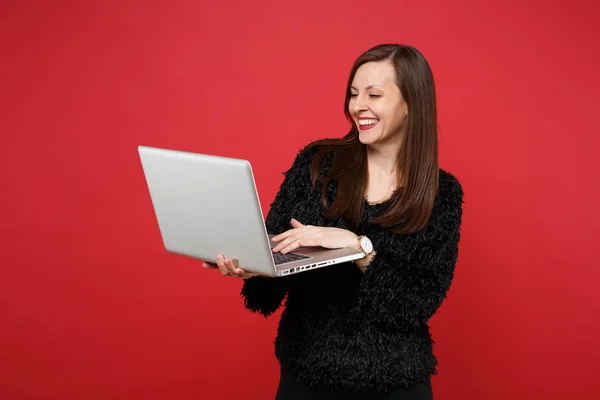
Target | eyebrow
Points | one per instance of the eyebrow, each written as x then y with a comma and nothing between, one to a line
368,87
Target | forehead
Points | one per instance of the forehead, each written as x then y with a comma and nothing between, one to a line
375,73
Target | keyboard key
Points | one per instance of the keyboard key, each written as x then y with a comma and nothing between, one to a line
288,258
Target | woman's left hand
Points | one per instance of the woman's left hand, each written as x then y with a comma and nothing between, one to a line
308,235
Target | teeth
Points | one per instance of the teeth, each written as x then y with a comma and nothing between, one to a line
364,122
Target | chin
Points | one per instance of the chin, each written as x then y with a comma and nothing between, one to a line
367,137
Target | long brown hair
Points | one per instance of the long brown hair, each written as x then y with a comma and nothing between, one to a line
411,207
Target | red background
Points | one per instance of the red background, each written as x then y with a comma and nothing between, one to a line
91,306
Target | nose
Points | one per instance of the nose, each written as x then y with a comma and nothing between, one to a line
359,105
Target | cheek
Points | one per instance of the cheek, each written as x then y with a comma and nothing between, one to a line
392,120
399,115
351,108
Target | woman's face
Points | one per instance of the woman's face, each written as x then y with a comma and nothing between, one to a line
378,108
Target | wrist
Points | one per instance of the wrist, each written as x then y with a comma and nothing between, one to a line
356,242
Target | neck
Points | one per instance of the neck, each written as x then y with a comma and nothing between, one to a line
383,159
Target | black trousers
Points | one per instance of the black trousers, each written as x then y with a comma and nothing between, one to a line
292,389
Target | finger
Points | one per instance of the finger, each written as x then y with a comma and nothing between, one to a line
221,264
311,237
291,247
209,265
282,236
309,242
285,243
231,269
239,272
296,224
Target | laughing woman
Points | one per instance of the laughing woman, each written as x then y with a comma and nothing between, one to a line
359,330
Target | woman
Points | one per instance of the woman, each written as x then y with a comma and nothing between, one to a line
359,330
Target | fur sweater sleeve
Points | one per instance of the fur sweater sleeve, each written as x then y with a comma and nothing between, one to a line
404,288
264,295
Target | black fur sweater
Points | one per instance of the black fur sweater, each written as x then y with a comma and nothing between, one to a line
358,331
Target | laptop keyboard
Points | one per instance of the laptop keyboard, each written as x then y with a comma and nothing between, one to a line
288,258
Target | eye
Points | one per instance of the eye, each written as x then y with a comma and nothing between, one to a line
374,95
353,94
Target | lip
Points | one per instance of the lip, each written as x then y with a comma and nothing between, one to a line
367,127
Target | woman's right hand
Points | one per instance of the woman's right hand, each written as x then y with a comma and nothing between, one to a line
229,267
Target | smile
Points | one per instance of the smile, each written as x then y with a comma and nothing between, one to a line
364,124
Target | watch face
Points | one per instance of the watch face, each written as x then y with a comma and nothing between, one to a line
366,244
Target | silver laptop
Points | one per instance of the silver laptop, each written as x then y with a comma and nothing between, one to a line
206,205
